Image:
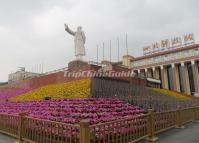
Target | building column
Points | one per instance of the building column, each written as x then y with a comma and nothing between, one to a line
195,75
139,73
164,77
145,73
154,73
176,82
185,79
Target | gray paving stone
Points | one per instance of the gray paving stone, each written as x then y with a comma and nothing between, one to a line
6,139
190,134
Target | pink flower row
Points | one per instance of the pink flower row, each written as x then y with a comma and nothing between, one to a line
74,110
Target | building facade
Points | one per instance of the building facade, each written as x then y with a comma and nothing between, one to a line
178,69
21,74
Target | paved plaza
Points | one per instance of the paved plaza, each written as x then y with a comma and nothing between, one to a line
190,134
6,139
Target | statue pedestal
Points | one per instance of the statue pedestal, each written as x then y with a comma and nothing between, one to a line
76,64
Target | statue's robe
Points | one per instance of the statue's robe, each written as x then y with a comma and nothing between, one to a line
80,40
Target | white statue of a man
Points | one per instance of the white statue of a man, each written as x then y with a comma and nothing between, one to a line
79,39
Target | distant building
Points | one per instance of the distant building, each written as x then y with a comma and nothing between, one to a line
21,74
127,60
176,68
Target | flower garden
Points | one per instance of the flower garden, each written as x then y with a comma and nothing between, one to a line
96,110
70,103
175,94
11,92
72,89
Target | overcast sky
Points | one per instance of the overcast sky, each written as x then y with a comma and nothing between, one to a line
32,31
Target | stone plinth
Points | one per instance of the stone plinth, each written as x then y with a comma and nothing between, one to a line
76,64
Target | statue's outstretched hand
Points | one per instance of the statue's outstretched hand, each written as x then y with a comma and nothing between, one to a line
69,30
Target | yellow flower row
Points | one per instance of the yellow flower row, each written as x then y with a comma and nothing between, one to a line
171,93
72,89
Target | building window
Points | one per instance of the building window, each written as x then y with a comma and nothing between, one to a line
165,58
186,53
196,52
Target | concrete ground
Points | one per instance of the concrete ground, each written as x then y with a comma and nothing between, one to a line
190,134
6,139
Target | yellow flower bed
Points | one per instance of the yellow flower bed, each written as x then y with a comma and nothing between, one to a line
72,89
171,93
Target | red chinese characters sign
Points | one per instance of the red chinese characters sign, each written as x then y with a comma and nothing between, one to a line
176,41
167,44
188,39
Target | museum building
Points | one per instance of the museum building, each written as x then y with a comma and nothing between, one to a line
175,63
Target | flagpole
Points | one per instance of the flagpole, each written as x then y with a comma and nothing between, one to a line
118,54
110,50
97,54
103,51
127,52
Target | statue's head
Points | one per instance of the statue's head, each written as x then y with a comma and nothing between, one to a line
79,28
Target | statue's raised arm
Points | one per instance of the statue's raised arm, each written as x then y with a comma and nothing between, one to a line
69,30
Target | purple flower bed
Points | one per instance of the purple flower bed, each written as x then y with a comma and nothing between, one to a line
10,92
73,110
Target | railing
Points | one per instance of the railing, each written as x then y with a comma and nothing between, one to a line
187,115
55,71
120,131
42,131
130,129
164,121
9,124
